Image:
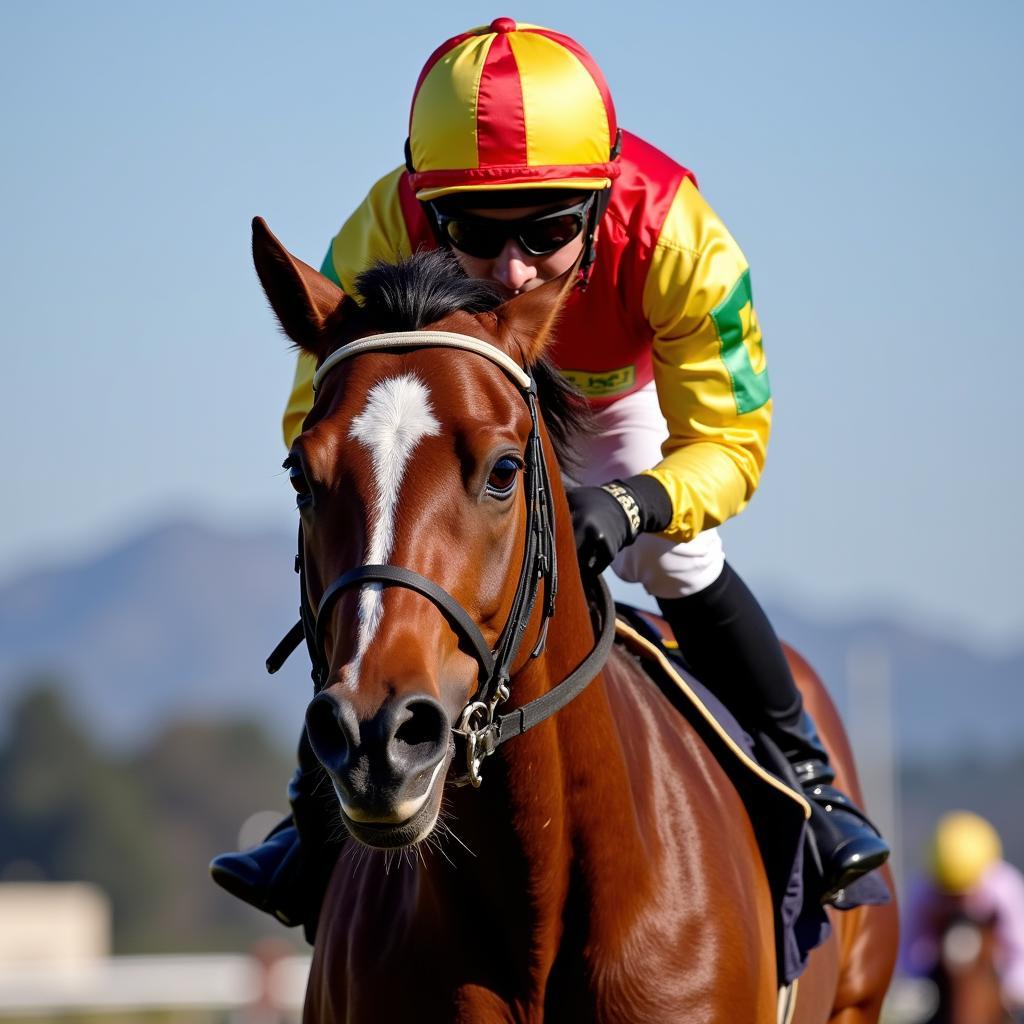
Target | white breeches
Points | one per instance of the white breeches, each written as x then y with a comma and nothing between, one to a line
627,440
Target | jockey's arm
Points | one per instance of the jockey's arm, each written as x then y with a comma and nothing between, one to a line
375,231
709,368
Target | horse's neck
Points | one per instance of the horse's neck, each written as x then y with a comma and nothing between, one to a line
539,812
546,792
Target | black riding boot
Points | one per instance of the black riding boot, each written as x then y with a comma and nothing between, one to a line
848,844
286,875
729,644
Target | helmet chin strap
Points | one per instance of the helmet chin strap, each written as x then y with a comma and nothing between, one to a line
590,241
596,213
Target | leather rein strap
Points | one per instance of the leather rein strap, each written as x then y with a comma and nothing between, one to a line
479,725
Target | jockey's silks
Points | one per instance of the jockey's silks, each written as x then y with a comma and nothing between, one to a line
669,299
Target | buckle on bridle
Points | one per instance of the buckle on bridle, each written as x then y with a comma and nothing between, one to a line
476,724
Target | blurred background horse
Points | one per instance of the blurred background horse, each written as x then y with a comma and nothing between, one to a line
966,978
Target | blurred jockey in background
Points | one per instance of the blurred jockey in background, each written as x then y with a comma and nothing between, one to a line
515,164
966,878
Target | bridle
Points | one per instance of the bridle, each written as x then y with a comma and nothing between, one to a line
479,725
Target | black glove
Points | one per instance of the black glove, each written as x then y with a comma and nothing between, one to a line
607,519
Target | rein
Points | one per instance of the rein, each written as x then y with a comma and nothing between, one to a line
479,725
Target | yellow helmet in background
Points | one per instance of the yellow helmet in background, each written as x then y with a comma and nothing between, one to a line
964,847
511,106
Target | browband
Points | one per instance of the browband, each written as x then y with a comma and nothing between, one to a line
424,339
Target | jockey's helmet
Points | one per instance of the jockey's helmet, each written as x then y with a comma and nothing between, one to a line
517,111
963,848
511,106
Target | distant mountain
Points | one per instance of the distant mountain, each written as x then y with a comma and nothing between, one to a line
177,622
946,697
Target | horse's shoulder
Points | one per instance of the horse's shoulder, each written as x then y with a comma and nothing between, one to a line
672,770
644,714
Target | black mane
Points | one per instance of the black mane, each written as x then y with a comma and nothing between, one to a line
421,290
429,286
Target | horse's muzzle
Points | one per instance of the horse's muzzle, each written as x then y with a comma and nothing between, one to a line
386,768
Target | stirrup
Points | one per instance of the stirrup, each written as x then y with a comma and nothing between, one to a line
847,843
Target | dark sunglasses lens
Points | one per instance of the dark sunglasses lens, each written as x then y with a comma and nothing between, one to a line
475,238
545,236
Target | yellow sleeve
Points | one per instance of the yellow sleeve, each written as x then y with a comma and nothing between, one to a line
376,231
709,368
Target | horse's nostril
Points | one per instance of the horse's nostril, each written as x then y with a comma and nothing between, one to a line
329,735
420,734
421,727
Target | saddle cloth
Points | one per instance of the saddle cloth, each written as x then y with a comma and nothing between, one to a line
777,811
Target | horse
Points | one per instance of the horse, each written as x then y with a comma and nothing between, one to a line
606,870
966,979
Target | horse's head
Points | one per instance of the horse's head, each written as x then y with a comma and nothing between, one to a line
417,458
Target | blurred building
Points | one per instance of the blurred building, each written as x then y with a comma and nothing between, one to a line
62,925
55,943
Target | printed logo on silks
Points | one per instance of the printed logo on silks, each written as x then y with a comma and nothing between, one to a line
604,383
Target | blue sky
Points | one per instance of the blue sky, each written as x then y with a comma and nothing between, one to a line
867,157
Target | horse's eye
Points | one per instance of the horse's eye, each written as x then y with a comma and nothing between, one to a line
502,481
298,480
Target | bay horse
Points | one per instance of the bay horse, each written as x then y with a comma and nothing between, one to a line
606,871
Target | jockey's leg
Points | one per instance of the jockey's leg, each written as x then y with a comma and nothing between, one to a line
287,873
728,642
726,637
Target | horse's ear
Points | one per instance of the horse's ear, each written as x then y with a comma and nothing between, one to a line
531,317
302,298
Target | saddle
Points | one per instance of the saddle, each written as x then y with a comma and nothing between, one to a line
765,782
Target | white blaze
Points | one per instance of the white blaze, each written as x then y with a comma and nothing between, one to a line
396,417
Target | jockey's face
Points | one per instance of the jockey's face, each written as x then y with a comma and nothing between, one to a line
514,270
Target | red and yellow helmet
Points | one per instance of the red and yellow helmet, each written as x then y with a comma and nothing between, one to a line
511,106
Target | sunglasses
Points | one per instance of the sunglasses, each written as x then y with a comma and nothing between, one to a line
539,235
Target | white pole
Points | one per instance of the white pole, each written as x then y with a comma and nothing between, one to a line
870,723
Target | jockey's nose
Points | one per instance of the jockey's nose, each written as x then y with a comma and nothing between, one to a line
512,267
380,766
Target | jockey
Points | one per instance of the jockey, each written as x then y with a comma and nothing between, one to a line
516,165
966,875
